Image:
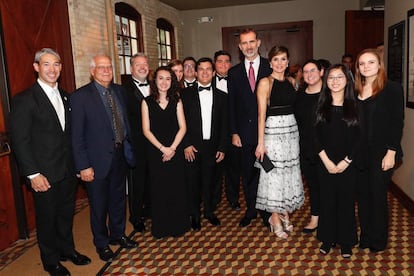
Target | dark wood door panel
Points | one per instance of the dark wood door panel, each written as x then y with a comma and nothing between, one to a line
26,26
296,36
363,29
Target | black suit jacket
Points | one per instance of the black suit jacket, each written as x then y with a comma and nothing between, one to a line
243,103
386,121
38,141
134,99
219,122
92,134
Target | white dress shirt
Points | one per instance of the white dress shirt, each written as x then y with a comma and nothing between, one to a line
206,105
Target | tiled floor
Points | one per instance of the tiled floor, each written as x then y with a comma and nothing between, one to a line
253,250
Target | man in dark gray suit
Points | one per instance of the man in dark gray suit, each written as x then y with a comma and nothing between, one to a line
40,132
102,150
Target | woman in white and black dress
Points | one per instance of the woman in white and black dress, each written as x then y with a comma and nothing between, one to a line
280,191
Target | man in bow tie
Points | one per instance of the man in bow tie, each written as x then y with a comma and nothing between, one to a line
189,71
230,168
137,88
205,142
40,131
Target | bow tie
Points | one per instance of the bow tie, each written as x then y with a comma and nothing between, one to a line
221,78
189,84
201,88
140,84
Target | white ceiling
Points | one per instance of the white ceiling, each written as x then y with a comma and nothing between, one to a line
205,4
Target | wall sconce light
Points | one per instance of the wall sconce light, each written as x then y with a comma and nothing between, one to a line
205,19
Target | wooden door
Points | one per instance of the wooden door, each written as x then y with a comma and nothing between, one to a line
363,29
27,26
296,36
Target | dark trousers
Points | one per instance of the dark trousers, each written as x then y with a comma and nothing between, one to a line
138,191
54,220
229,169
250,179
310,171
337,214
201,179
372,204
107,201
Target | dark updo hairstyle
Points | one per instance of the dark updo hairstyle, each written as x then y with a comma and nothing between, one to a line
277,50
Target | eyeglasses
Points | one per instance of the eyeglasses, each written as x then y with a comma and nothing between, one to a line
339,78
188,66
102,68
311,71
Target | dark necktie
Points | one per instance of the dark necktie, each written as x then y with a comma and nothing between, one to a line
116,118
221,78
201,88
252,80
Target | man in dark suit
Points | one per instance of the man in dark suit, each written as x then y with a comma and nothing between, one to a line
40,132
101,149
230,167
136,89
242,83
205,109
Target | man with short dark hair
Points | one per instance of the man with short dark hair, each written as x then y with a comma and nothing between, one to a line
242,83
189,71
205,141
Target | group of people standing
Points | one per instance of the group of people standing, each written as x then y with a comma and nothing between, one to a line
175,135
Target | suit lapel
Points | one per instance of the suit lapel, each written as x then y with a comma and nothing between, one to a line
43,100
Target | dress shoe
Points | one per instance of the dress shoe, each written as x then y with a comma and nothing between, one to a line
57,270
124,242
245,221
105,253
376,250
139,226
213,220
195,224
235,206
309,230
76,258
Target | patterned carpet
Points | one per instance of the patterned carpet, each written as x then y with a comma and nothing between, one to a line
253,250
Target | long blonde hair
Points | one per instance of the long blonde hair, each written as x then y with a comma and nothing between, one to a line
380,80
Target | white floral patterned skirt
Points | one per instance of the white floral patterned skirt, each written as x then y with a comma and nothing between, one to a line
281,189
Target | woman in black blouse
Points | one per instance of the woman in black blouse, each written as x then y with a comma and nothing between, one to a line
383,104
337,140
305,105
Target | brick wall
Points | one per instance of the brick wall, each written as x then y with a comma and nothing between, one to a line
93,31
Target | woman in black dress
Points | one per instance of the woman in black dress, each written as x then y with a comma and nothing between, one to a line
305,105
163,124
337,141
383,105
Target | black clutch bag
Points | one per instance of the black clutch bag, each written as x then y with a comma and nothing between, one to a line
266,164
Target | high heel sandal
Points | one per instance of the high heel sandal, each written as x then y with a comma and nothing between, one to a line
287,225
346,252
278,230
325,248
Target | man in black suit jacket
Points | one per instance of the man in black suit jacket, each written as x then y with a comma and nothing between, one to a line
40,132
101,150
205,109
136,89
243,115
230,168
